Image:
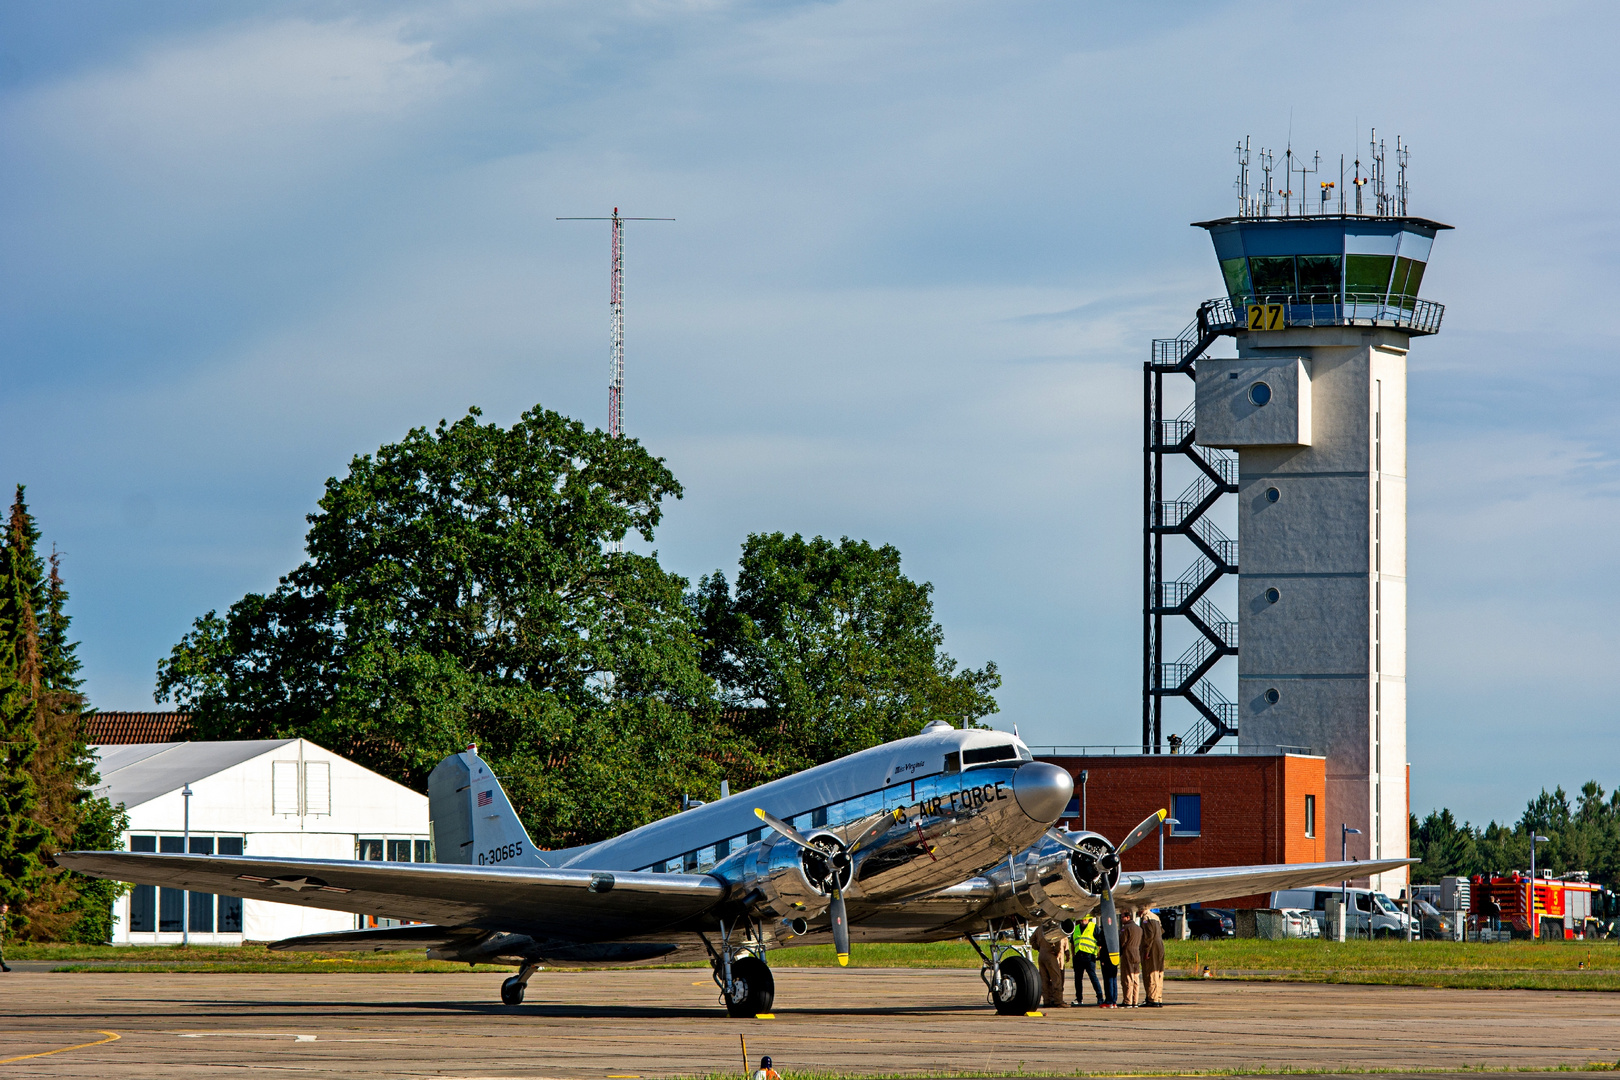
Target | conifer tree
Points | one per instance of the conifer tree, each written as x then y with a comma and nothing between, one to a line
22,838
50,808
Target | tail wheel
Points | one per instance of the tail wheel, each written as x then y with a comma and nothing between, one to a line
1020,988
512,991
753,988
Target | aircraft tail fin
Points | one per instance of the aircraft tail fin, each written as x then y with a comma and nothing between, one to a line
470,818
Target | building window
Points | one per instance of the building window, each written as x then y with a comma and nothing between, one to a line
1310,815
399,851
1272,495
1188,810
368,850
1259,393
1272,596
424,851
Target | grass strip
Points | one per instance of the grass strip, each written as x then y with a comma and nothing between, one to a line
1256,1070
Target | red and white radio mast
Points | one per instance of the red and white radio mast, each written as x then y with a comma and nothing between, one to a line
616,314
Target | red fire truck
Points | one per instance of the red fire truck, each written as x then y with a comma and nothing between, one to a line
1563,906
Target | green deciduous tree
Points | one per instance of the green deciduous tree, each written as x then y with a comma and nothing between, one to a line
468,584
826,648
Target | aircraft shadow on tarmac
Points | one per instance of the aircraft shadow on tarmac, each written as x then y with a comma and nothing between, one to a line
566,1010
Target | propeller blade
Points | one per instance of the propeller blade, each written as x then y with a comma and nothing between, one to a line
1142,831
883,825
840,928
1066,840
1110,926
786,830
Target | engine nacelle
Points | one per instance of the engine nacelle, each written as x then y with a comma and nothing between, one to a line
1052,882
777,879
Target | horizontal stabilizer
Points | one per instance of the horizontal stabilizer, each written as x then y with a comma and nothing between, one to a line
380,939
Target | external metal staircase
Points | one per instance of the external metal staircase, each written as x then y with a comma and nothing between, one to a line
1184,596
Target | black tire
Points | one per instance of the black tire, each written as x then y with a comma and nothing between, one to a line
1020,990
512,991
753,988
1203,937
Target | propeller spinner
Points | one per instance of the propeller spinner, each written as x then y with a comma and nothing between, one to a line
1106,865
838,859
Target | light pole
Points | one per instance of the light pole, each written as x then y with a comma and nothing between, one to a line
185,894
1085,774
1162,824
1344,856
1535,919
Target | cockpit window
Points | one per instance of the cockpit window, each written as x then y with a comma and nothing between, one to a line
981,754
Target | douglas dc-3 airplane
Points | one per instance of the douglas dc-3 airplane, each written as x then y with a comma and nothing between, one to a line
947,834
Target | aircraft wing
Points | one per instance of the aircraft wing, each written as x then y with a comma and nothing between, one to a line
1170,888
544,903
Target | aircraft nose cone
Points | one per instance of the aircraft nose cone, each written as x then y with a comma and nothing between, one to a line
1043,791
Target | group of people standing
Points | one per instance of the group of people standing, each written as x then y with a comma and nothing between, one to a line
1138,981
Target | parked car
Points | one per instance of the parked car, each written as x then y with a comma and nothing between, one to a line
1372,914
1436,924
1300,923
1210,924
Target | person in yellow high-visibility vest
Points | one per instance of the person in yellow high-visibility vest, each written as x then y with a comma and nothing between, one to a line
1086,948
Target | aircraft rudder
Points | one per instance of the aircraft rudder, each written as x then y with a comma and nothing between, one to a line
470,818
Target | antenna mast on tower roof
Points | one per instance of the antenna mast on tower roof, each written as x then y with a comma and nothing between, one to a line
616,319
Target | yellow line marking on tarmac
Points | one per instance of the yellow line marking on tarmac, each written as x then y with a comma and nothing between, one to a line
112,1036
764,1016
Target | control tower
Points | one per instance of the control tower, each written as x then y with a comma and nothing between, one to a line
1323,308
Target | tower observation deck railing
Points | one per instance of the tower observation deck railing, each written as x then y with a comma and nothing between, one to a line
1230,313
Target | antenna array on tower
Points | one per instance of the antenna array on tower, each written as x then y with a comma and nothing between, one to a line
1387,200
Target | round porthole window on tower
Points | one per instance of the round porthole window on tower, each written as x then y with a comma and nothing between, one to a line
1259,393
1272,596
1272,697
1272,495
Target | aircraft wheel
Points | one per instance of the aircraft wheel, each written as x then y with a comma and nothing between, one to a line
753,988
1020,990
512,991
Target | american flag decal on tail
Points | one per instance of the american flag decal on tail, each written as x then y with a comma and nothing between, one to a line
485,798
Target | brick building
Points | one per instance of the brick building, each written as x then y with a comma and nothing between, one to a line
1233,808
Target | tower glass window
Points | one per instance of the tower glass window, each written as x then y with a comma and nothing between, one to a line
1188,810
1273,276
1272,596
1236,272
1272,495
1260,393
1366,277
1310,815
1319,277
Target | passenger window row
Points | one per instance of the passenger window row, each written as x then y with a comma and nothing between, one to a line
839,813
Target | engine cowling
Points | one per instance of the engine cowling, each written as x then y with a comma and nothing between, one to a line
778,879
1050,881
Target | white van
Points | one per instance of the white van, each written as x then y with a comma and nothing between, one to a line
1367,908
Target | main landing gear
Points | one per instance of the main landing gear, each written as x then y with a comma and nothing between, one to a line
512,989
747,987
1012,981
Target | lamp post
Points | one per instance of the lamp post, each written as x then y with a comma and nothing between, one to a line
185,894
1535,918
1344,856
1085,774
1162,824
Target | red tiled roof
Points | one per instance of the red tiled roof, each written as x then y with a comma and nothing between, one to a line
123,728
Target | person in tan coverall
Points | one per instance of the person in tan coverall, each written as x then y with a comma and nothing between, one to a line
1130,961
1052,946
1153,958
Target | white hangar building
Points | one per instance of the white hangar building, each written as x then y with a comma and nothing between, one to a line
284,797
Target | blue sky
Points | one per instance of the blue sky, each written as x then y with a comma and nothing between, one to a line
920,252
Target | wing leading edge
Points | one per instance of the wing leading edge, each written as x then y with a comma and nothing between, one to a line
1171,888
546,903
